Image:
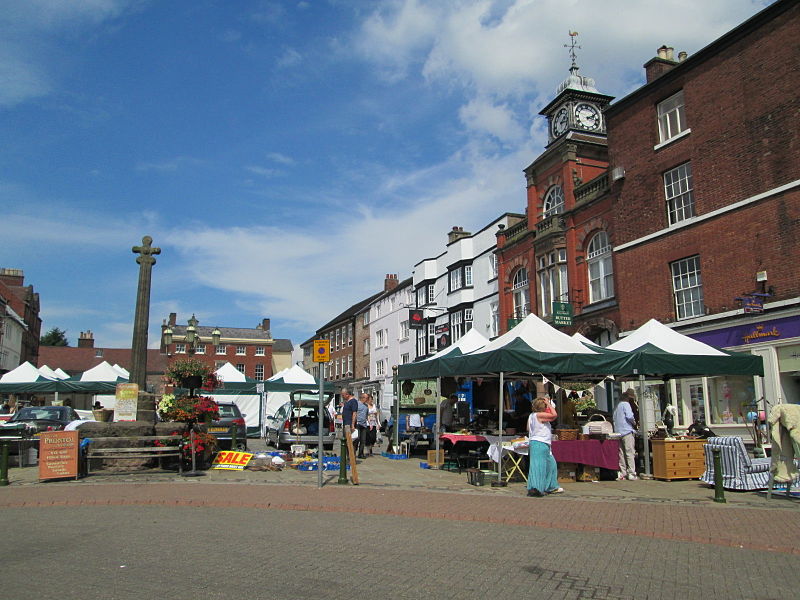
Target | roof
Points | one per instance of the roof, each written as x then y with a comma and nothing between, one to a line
239,333
77,360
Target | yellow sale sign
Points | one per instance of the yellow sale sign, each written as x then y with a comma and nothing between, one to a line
235,461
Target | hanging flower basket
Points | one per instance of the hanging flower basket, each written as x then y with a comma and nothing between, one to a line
191,373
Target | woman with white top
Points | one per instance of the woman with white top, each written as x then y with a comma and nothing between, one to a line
542,468
372,423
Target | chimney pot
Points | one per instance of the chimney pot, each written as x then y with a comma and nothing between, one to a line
682,56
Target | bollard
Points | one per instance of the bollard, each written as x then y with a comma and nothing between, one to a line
233,438
4,464
719,491
343,463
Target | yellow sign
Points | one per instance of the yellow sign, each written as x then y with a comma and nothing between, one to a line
232,461
127,397
322,350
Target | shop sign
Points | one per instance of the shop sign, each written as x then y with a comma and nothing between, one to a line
58,454
767,331
752,304
442,336
416,320
231,461
127,400
562,314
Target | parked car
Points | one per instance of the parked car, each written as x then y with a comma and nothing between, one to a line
42,418
297,422
230,419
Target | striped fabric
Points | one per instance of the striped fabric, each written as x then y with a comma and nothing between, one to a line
739,471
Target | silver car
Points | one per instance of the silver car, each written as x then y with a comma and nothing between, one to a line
297,422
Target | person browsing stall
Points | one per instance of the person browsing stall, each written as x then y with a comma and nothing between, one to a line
361,423
446,412
625,425
542,467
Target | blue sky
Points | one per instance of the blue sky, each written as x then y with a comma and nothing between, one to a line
284,155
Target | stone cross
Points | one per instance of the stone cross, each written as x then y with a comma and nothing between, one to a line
141,320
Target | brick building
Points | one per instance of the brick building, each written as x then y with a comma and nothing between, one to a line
254,351
707,217
20,320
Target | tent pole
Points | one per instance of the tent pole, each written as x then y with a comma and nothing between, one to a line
500,425
438,428
643,426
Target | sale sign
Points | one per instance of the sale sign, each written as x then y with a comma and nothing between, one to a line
233,461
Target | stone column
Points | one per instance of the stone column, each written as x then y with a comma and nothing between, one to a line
141,323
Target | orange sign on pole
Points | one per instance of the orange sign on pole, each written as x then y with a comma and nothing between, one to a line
322,351
58,454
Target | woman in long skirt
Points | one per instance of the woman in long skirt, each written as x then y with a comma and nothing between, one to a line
542,469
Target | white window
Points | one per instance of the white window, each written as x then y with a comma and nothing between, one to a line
687,287
241,350
468,275
366,372
380,338
431,293
240,367
349,334
403,330
456,325
493,265
521,294
404,358
366,346
349,364
553,285
378,310
259,372
431,338
222,349
422,344
455,279
678,190
494,319
366,317
380,369
180,348
338,339
601,270
468,317
554,201
259,350
671,118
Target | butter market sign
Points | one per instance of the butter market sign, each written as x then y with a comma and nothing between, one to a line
562,314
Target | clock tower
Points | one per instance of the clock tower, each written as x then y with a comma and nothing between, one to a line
546,265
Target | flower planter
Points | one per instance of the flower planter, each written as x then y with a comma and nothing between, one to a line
192,382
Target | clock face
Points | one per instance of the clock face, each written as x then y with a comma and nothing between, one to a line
587,116
560,122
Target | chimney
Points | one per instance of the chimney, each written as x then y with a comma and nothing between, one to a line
86,339
682,56
660,64
173,319
390,282
12,276
264,326
456,234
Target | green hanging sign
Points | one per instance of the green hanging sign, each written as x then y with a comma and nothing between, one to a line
562,314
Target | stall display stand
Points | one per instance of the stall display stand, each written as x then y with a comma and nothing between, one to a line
351,454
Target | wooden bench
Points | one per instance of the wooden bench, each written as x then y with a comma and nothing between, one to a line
132,451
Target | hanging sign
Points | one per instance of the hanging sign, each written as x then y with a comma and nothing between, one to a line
442,336
562,314
416,320
127,399
322,351
58,454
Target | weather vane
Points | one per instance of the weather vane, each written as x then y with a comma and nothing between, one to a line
572,46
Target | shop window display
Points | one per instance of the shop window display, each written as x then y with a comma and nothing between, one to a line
730,398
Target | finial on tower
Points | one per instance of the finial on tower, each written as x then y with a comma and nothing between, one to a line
572,54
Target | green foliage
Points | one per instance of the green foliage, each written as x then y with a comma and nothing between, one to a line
54,337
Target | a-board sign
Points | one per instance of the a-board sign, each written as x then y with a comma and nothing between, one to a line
231,461
127,398
58,454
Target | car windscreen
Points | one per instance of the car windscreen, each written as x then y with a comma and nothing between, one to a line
228,411
30,413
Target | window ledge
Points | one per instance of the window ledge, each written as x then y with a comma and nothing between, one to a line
599,305
674,138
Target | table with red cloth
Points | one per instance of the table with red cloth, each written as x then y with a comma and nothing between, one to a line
595,453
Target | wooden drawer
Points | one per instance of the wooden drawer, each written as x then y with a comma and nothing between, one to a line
685,463
694,453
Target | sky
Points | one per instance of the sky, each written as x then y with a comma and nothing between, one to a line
285,155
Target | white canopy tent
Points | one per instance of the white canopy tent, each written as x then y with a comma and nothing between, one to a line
25,373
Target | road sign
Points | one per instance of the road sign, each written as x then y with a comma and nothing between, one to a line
322,351
562,314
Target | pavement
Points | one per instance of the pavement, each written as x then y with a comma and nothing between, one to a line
608,539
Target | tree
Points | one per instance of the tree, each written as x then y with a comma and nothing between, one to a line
54,337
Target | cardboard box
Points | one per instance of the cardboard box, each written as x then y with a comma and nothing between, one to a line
433,459
567,472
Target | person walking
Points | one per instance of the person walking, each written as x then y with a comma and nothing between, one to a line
361,424
373,423
625,425
542,467
446,407
349,410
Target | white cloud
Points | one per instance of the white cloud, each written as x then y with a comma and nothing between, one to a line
483,116
263,171
168,165
281,158
289,58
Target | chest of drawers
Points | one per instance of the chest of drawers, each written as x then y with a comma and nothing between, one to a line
678,459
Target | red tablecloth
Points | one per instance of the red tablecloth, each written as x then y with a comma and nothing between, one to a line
588,452
454,438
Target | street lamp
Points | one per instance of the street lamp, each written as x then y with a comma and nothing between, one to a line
191,330
167,333
215,336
